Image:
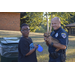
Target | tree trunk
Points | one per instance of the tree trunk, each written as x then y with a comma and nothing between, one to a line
47,22
51,25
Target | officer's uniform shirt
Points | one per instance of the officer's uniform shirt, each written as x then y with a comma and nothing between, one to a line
24,48
62,36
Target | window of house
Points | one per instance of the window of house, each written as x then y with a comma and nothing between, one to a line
73,31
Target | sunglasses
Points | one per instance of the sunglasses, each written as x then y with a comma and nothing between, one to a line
25,30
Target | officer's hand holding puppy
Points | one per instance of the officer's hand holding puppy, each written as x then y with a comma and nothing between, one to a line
48,40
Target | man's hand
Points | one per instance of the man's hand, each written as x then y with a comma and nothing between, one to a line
48,40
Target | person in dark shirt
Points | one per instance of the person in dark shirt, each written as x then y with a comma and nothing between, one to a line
62,36
26,53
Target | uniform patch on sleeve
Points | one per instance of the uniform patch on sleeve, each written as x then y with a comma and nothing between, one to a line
63,35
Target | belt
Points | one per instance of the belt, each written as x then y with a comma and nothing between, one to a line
54,55
57,53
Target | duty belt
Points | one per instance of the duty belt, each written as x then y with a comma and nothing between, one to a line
54,55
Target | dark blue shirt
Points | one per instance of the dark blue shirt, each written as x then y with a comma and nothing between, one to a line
24,48
62,36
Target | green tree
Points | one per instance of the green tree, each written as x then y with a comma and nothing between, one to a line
33,19
23,18
64,17
38,19
72,17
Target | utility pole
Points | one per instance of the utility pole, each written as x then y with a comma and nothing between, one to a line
47,22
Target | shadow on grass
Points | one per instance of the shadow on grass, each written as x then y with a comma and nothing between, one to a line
5,33
71,36
71,43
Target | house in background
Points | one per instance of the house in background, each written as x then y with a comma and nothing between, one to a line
10,21
71,28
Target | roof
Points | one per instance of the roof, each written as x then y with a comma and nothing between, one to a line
14,12
70,25
18,12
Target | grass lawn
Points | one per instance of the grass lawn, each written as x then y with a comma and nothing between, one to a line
38,39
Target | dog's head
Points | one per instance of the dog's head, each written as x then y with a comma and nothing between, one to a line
46,34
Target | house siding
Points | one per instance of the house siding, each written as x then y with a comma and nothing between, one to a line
9,21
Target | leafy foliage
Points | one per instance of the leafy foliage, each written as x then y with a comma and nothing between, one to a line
37,20
33,19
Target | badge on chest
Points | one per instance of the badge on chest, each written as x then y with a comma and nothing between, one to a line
56,35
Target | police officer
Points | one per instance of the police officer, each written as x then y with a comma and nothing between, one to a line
62,36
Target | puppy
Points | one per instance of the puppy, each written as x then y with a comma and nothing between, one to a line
47,34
